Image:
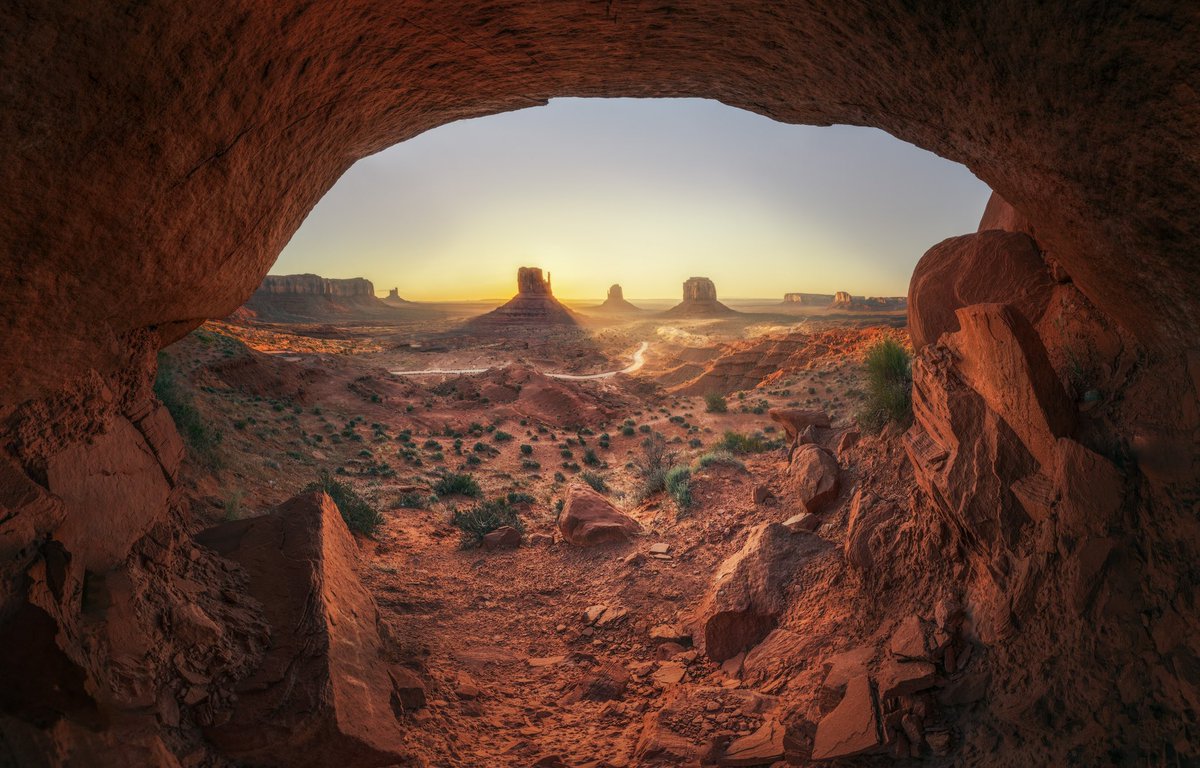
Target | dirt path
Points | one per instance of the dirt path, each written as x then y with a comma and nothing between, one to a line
639,359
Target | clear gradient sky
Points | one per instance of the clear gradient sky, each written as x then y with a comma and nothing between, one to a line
641,192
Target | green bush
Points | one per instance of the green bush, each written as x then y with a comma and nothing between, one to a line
596,481
526,449
461,484
358,514
483,518
678,485
651,467
889,387
719,456
735,442
590,458
201,438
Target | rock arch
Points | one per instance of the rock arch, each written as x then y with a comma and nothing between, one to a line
156,158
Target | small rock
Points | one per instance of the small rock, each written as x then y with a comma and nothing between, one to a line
939,742
908,641
612,616
733,665
660,548
671,632
504,537
668,673
465,687
762,494
592,613
904,678
763,747
540,539
805,522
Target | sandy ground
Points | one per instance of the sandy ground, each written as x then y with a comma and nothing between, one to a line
500,636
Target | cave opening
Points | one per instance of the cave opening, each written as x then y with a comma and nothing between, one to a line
1008,581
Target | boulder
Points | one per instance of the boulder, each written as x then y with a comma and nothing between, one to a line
971,269
747,595
813,477
324,694
853,727
796,420
804,522
999,214
504,537
589,519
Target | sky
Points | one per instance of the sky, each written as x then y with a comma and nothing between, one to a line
641,192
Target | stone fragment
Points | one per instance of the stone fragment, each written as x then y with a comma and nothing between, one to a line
852,728
813,477
746,597
904,678
805,522
908,641
868,531
504,537
762,747
588,519
668,673
796,420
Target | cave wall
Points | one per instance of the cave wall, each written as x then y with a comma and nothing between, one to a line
157,157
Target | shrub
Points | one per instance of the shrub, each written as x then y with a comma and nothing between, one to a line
526,449
628,431
358,514
520,497
719,456
678,485
594,480
461,484
889,386
590,458
735,442
483,518
501,437
411,500
651,467
201,438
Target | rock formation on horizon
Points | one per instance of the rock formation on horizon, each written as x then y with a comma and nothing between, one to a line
616,303
308,297
843,300
699,300
394,297
807,299
533,305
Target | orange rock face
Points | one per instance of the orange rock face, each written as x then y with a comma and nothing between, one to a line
989,266
324,691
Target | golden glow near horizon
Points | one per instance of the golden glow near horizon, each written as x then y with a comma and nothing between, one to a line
645,193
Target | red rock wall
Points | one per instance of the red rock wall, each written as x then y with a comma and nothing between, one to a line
315,285
164,155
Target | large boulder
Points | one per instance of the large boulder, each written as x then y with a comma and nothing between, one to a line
747,595
999,214
589,519
983,267
813,477
324,694
796,420
853,727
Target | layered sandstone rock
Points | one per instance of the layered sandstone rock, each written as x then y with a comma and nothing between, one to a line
588,519
324,693
987,266
807,299
312,298
394,297
841,300
534,305
699,300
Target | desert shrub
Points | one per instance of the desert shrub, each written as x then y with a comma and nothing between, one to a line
358,514
652,465
530,464
526,449
411,500
735,442
456,483
678,484
483,518
719,456
628,431
201,438
501,437
596,481
590,458
889,386
520,497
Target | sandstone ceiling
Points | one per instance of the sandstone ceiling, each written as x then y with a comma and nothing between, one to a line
156,157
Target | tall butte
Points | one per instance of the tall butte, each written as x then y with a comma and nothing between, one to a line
699,300
616,303
533,305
